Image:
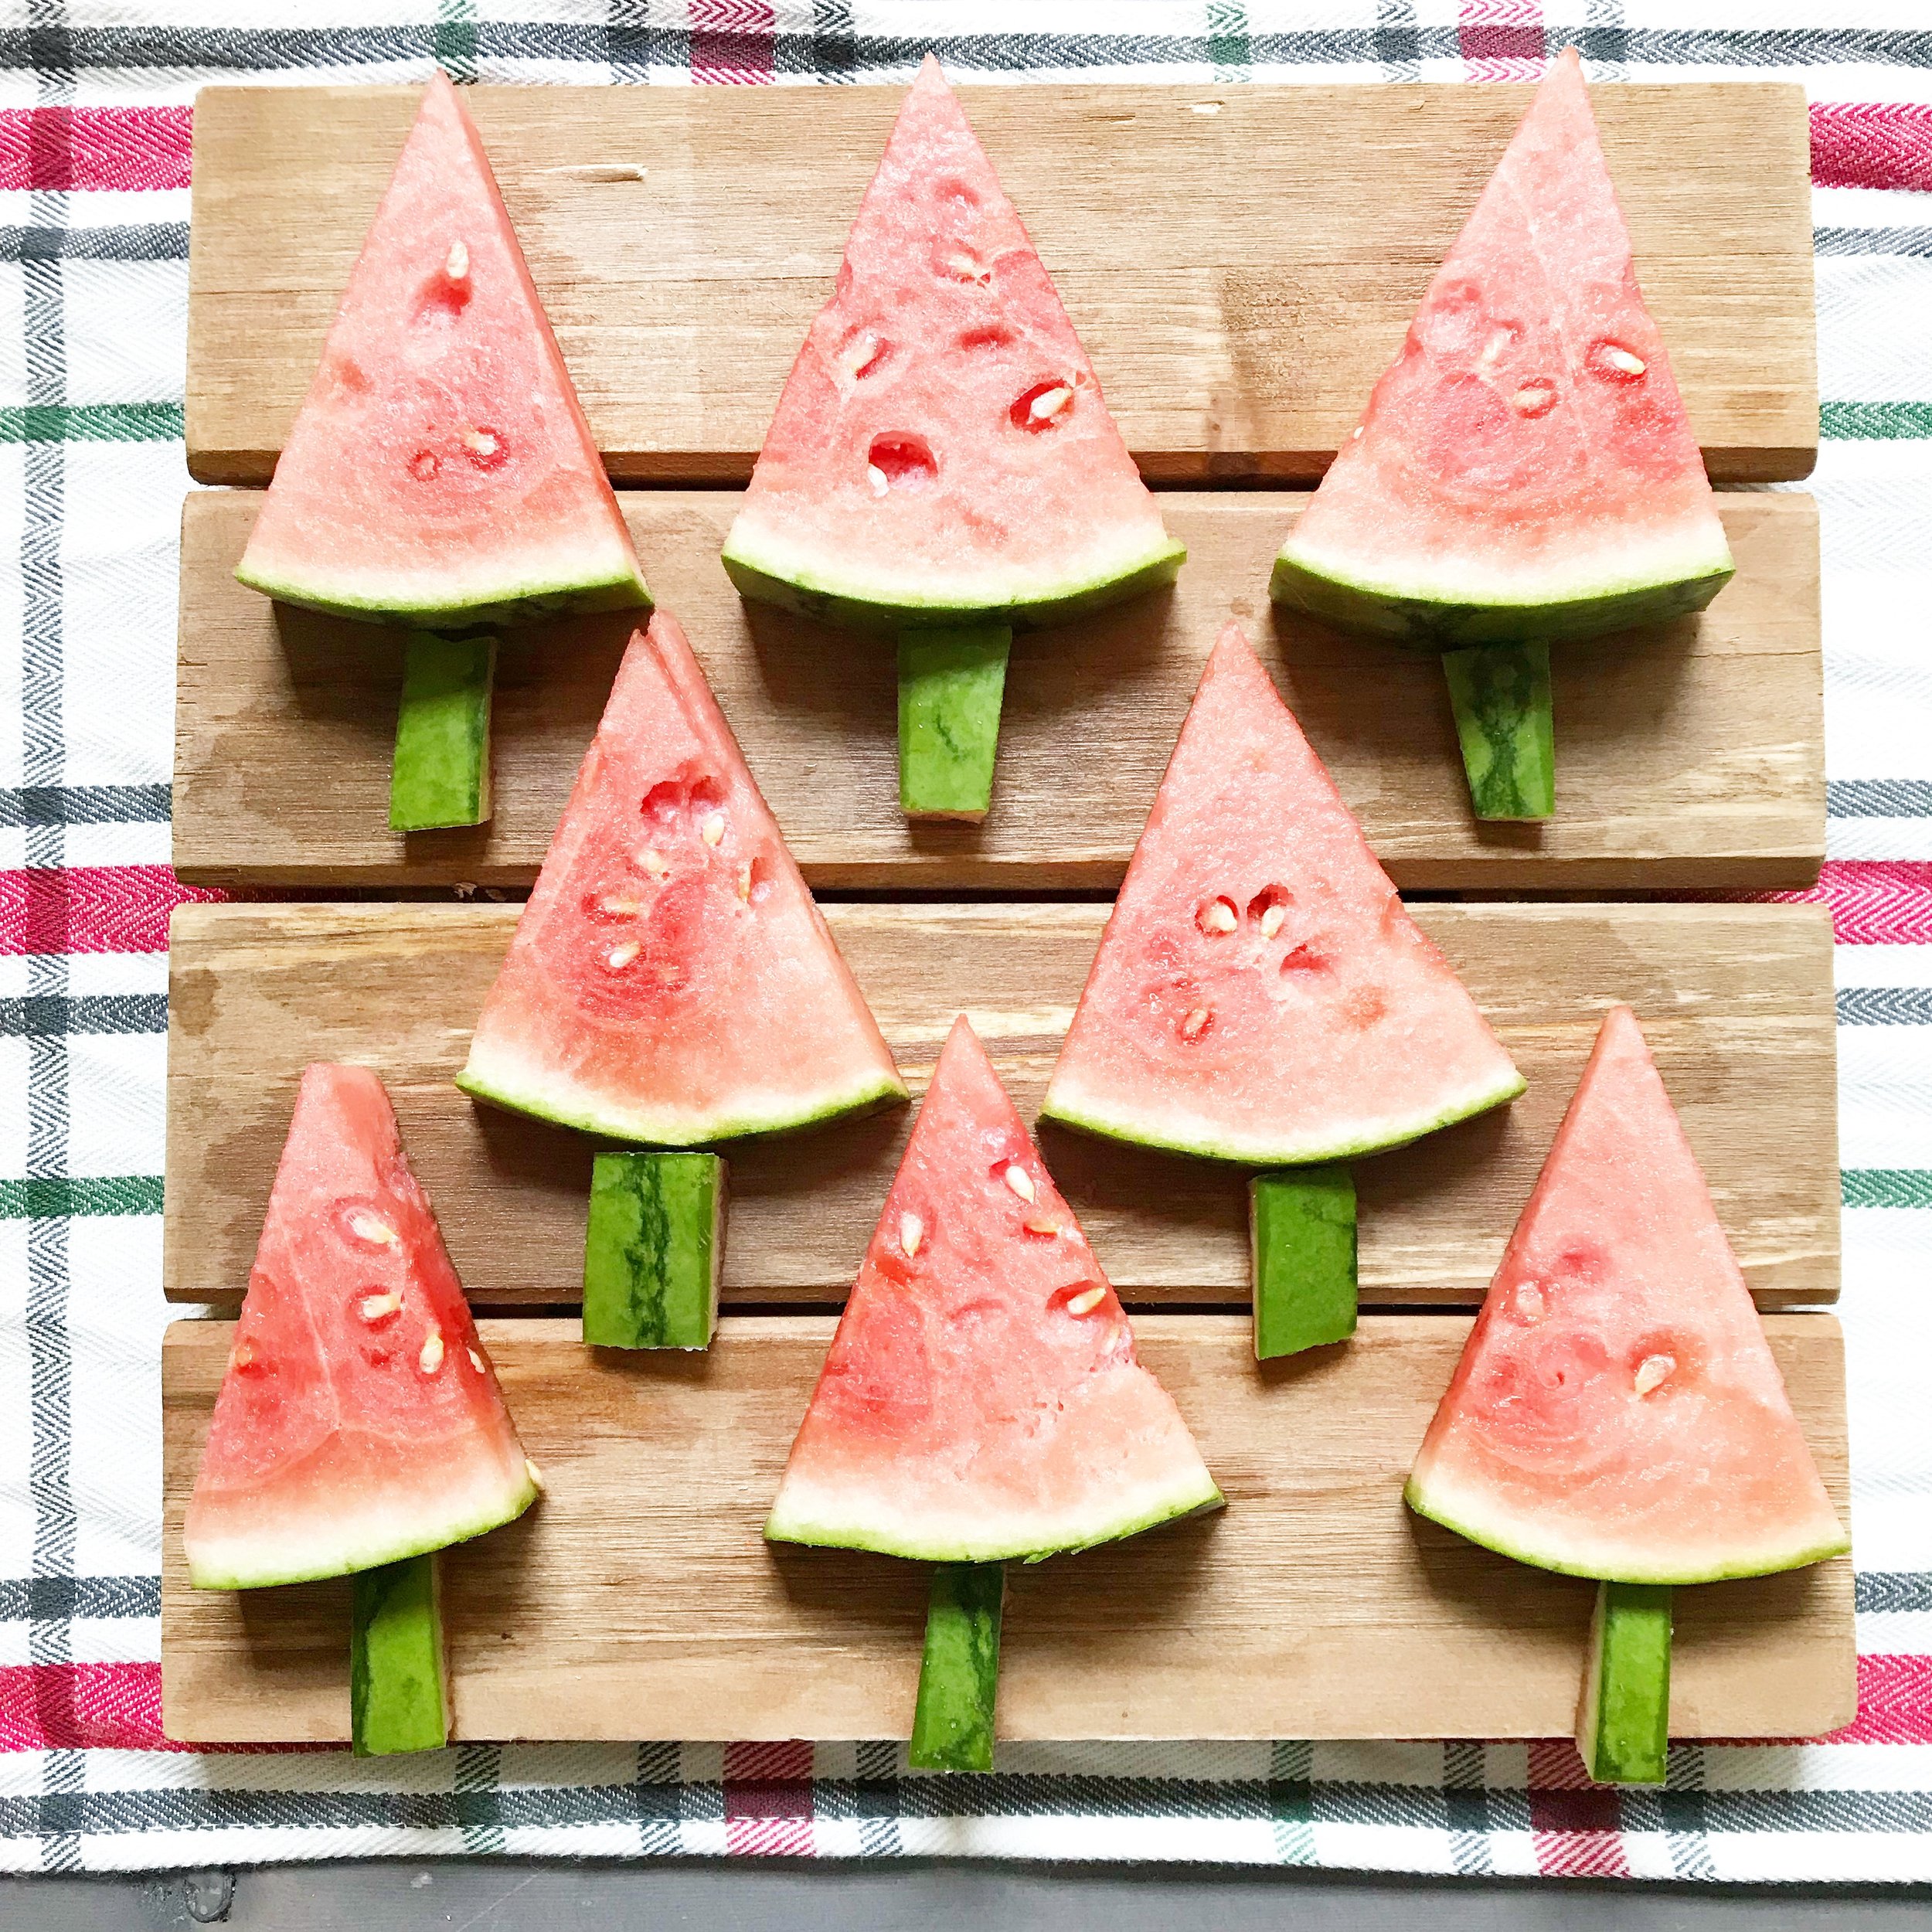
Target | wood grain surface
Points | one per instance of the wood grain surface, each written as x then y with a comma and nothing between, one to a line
1688,756
1736,1000
1242,263
639,1599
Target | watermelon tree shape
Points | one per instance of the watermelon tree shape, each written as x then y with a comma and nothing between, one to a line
441,475
360,1427
671,984
1617,1412
941,463
1261,995
982,1402
1525,471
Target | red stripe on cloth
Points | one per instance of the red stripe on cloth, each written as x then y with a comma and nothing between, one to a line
1874,902
90,908
1576,1827
1872,144
1502,39
731,42
81,1707
117,147
768,1800
1895,1703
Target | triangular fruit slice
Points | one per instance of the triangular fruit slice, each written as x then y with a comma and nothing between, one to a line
1617,1412
360,1422
670,981
1260,993
441,473
940,452
982,1398
1525,469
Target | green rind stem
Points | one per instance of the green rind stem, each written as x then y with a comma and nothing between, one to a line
1301,1225
952,684
1500,693
440,774
1623,1717
398,1675
959,1674
653,1250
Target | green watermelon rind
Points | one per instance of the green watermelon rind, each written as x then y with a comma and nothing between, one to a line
878,1091
1137,1131
419,1542
1192,1500
1518,1540
856,605
494,608
1410,615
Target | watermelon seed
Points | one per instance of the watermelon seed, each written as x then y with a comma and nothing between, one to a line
876,478
1021,1182
1619,360
431,1358
1354,435
712,832
1271,920
912,1231
243,1356
1087,1301
1042,1227
863,355
476,1361
652,862
457,266
423,466
964,266
380,1308
1041,406
619,957
372,1228
1529,1302
483,445
1217,916
1534,399
1653,1370
1196,1024
744,882
1269,909
619,908
904,462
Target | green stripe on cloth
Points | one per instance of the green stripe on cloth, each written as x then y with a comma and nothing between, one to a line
1874,422
91,422
1887,1187
52,1198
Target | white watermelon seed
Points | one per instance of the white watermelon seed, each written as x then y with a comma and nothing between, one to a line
1354,435
619,957
366,1227
912,1231
1534,399
243,1356
476,1361
1218,916
1652,1370
1192,1027
1529,1302
965,265
431,1358
619,908
1049,403
712,831
480,442
876,477
860,355
1042,1227
744,882
1620,358
1086,1301
457,265
1271,920
1021,1182
380,1308
653,863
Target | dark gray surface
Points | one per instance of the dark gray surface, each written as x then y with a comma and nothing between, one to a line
506,1894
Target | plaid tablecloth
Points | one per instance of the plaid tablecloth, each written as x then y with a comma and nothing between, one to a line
94,123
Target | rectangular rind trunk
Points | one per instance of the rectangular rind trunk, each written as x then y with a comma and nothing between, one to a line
1623,1717
1301,1227
654,1250
951,685
959,1672
1506,727
398,1670
440,774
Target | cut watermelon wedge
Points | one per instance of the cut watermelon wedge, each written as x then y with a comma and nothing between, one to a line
1260,993
670,981
982,1399
360,1421
441,473
941,453
1525,469
1617,1412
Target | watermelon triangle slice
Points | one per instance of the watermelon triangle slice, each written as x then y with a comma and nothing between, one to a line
1617,1412
670,981
441,473
941,453
982,1399
1260,993
360,1421
1525,469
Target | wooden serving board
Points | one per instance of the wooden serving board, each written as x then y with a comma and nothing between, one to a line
1242,263
1689,756
1736,1000
639,1599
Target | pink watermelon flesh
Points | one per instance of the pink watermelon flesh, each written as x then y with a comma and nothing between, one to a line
982,1398
441,473
670,981
1525,469
941,452
1617,1412
360,1421
1260,993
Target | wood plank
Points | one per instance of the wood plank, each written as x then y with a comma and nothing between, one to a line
1737,1001
1242,263
638,1600
1692,756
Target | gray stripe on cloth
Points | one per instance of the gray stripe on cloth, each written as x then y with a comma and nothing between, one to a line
1873,241
1885,1006
1466,1806
56,1015
1893,1590
1879,798
85,805
57,1599
162,241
